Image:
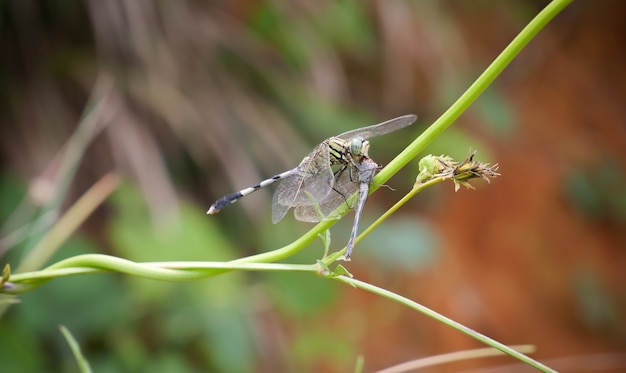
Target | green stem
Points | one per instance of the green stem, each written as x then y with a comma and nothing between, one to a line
163,271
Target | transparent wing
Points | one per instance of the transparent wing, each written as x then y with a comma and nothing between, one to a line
344,186
285,194
308,184
383,128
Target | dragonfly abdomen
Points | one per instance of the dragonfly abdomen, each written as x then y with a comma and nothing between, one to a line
234,197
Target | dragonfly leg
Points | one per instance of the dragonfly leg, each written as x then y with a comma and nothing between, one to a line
337,177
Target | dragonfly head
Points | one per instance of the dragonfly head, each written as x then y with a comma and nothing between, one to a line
359,146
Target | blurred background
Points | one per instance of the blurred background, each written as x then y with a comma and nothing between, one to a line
187,101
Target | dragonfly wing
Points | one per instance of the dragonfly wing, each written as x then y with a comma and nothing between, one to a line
345,185
379,129
285,194
309,183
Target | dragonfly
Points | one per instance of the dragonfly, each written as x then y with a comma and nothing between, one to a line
313,187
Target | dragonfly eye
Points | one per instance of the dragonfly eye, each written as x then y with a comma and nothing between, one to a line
365,148
359,146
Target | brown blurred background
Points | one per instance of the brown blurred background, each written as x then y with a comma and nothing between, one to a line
187,101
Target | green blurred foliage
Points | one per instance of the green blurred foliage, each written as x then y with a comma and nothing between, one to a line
497,117
182,235
287,292
598,192
340,25
596,307
336,349
402,244
12,190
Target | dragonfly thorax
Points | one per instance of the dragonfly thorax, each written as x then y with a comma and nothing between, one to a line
345,152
